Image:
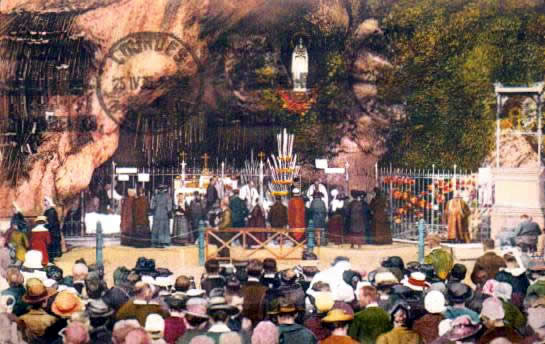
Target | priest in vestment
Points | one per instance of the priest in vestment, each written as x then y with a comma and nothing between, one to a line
457,215
127,214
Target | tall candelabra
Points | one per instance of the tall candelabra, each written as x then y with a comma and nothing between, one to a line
283,167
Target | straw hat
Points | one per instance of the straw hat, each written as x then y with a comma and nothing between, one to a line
218,303
66,304
385,278
417,281
36,292
296,192
33,260
337,315
434,302
196,307
155,325
40,219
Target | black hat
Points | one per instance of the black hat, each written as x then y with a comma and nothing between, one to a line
429,271
54,272
145,265
458,272
176,302
413,267
352,278
394,262
459,292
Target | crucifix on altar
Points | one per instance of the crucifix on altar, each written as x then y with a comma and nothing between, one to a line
205,157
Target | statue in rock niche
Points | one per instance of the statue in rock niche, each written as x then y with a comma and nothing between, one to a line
299,67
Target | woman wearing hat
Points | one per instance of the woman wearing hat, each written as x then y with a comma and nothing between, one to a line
37,321
40,238
400,334
54,227
338,321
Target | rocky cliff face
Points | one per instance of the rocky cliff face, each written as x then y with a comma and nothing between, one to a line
64,161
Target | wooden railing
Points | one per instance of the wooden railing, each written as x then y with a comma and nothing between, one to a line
225,238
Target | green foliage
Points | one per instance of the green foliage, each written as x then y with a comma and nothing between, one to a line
447,55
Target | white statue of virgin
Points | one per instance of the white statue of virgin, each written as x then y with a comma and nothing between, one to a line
299,67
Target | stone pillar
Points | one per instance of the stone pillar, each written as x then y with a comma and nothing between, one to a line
517,191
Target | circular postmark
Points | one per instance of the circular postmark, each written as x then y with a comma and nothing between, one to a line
139,69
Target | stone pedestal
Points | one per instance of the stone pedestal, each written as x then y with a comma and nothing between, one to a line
517,191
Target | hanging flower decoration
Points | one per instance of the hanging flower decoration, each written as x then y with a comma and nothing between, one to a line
297,102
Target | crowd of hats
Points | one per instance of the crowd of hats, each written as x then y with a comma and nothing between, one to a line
331,295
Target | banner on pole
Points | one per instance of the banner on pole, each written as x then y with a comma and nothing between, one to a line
143,177
123,177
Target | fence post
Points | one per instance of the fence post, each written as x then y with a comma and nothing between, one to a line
201,243
310,238
99,245
421,229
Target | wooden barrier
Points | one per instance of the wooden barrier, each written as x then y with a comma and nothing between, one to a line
245,233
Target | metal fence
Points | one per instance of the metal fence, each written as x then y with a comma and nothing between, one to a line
415,194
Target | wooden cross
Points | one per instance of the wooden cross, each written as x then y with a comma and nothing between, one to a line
261,156
205,157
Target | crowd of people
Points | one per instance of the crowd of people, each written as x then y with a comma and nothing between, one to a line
253,302
340,219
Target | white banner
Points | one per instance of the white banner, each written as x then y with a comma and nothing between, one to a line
123,177
334,170
143,177
321,163
126,170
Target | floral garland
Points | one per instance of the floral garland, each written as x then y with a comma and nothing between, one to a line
297,102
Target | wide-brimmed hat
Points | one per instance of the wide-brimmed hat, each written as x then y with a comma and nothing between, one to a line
195,293
155,325
416,281
462,327
66,304
41,219
385,279
338,315
176,301
36,291
97,308
296,192
434,302
33,260
218,303
286,306
196,307
459,292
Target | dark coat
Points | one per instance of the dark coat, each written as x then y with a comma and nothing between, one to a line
318,213
19,220
54,227
197,213
238,211
211,196
380,230
278,215
359,215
